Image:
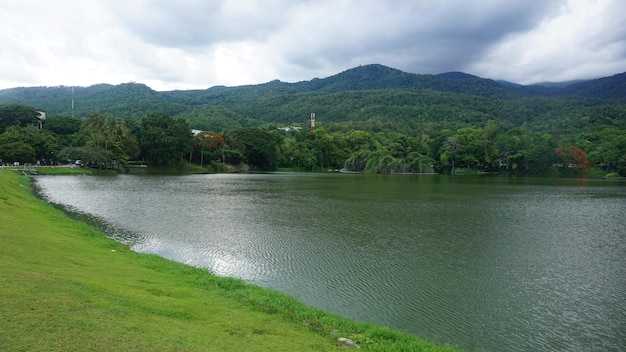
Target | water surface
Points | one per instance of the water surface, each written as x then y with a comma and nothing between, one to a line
487,264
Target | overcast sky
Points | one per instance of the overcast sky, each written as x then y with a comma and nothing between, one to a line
197,44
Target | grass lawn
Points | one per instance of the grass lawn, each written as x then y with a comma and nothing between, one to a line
64,286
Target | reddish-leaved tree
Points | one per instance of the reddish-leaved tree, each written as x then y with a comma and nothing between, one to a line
572,155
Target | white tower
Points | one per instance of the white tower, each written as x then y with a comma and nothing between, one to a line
41,116
312,122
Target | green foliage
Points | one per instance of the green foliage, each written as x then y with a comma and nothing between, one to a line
17,152
209,144
88,155
163,139
370,119
43,143
213,117
317,150
621,166
260,148
233,156
104,139
62,125
17,115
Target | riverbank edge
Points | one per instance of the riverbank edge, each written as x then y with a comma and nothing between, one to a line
66,286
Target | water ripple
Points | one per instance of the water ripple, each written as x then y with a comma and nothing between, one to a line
488,264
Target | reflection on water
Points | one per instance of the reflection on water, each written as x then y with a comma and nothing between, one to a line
493,264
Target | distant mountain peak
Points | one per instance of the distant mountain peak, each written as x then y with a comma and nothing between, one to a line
371,71
457,75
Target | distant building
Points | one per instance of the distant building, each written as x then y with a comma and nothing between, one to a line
41,116
290,128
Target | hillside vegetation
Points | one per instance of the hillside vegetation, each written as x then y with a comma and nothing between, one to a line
136,99
370,118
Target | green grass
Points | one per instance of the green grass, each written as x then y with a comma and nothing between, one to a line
64,286
64,170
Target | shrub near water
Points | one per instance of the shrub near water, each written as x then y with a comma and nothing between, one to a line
64,286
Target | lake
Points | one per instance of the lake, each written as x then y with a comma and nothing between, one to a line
483,263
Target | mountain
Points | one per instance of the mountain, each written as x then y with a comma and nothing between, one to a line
377,76
606,88
558,84
374,89
613,87
123,99
364,77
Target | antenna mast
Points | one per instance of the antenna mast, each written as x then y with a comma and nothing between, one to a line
72,101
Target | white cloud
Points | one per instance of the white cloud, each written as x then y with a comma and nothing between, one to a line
587,39
198,44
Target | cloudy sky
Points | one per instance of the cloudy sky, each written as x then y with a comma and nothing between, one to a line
197,44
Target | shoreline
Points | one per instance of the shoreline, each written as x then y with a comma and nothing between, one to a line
74,288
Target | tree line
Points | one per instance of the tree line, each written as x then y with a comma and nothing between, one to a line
159,139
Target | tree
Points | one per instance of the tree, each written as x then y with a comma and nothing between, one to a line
383,162
304,157
470,150
417,162
539,155
621,166
94,126
357,140
573,156
357,160
214,142
260,147
512,147
490,132
108,137
17,152
163,139
43,142
62,125
604,145
449,153
131,146
17,115
87,154
326,148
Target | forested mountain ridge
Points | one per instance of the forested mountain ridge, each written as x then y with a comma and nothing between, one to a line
135,99
613,87
370,118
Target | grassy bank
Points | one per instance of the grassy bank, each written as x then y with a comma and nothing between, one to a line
66,287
